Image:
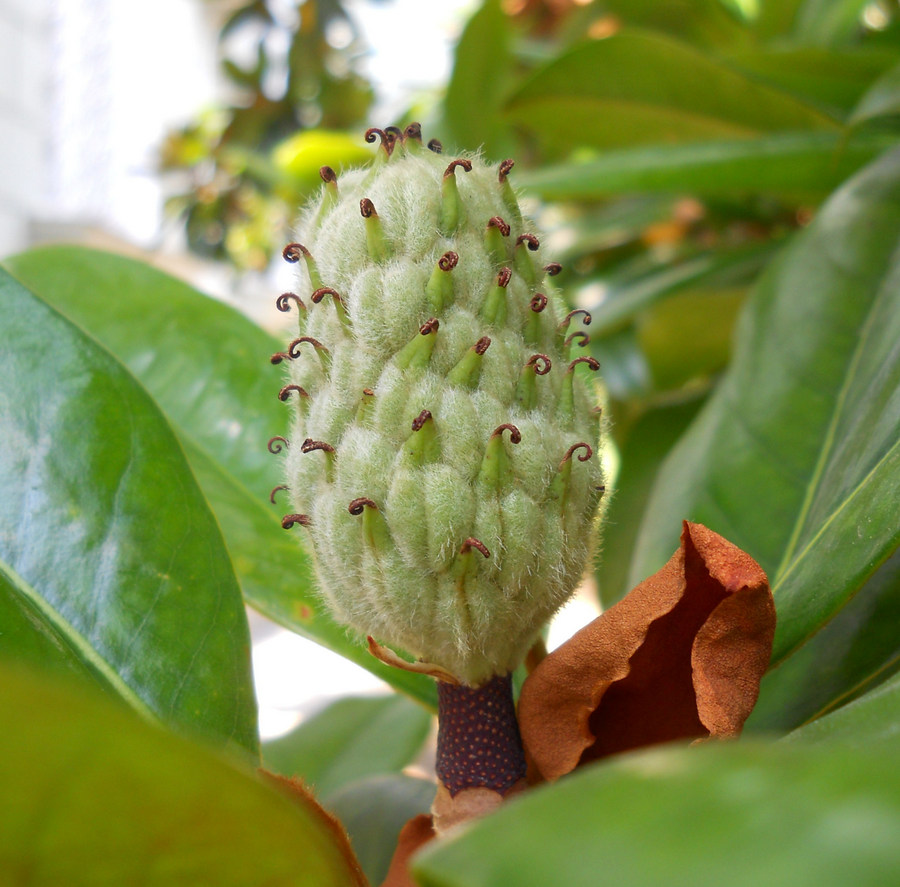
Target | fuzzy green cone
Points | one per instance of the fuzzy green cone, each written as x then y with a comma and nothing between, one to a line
433,455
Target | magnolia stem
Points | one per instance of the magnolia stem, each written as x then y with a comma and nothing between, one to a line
480,758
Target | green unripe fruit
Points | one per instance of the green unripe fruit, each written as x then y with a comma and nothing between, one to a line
443,457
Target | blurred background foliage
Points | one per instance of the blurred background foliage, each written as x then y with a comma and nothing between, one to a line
671,149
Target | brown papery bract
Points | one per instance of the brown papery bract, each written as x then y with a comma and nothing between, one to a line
680,657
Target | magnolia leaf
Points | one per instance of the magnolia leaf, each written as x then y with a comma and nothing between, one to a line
680,657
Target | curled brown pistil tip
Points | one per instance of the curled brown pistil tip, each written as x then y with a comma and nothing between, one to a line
279,356
388,137
448,261
436,146
505,168
553,268
277,444
394,131
413,131
294,347
538,302
567,319
477,544
289,520
275,490
430,326
583,337
368,392
293,252
372,133
515,436
588,452
420,420
593,364
601,489
285,392
357,505
541,359
283,302
367,208
530,239
323,291
497,222
482,345
309,445
504,277
327,174
451,169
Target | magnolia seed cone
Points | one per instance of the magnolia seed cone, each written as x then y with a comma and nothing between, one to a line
443,450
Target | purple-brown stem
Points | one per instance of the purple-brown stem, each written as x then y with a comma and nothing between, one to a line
478,743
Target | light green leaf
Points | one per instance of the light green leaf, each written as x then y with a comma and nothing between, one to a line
873,719
639,88
104,536
796,165
93,797
737,814
208,368
374,810
796,458
351,739
881,99
480,72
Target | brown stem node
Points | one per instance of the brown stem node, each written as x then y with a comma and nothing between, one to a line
357,506
448,261
582,336
590,361
497,222
289,520
545,362
285,392
451,169
283,302
515,436
309,445
583,457
421,419
293,252
477,544
293,348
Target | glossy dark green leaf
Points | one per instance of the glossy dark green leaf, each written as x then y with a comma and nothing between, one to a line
857,650
805,165
833,79
796,458
105,534
881,99
703,22
93,797
738,814
374,810
480,73
275,572
640,88
351,739
205,364
828,22
647,443
873,719
208,368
